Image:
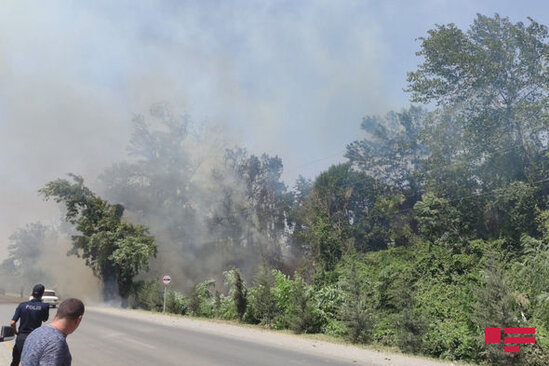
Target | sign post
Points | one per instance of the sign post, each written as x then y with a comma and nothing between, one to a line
166,281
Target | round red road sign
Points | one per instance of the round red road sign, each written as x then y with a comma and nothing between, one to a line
166,279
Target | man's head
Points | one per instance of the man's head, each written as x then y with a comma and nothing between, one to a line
38,291
70,314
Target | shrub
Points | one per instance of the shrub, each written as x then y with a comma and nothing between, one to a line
302,312
355,312
263,300
176,303
147,296
238,291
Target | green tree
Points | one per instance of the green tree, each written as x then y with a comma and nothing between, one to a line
532,278
495,307
264,300
239,292
439,222
393,150
335,213
195,302
113,248
302,312
157,185
355,311
491,84
253,209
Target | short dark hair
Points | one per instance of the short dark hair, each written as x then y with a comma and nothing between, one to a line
70,309
38,291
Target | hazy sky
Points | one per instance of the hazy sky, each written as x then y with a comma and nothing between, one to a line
290,78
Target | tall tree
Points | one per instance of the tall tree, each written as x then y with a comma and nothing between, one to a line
112,247
393,150
156,186
334,216
491,84
254,206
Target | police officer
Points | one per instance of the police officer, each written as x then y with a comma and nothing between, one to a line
31,315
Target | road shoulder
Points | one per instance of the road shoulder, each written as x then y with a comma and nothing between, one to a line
274,338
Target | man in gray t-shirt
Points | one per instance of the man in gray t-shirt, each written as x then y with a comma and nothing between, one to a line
47,345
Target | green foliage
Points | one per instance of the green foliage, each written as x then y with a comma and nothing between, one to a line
439,222
496,307
195,302
393,150
176,303
411,329
334,215
114,249
227,310
263,299
282,293
355,312
494,79
511,213
436,228
387,226
302,311
201,299
147,295
238,292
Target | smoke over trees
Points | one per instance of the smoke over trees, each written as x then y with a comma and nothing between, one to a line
209,207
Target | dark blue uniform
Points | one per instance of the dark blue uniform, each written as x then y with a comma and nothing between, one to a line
30,314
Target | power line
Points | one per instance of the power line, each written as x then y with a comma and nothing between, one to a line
295,167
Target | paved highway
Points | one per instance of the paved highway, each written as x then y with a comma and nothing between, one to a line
119,337
107,339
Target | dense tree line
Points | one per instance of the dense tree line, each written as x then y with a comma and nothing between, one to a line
437,226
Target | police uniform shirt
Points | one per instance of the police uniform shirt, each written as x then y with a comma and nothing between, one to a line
32,313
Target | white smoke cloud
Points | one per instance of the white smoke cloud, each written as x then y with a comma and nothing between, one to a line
291,78
282,76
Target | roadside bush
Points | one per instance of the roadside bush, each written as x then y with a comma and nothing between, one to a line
147,296
410,331
227,309
354,311
537,354
238,291
176,303
329,300
263,302
302,311
335,328
282,291
201,300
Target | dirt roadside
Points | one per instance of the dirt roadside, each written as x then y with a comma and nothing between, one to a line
289,341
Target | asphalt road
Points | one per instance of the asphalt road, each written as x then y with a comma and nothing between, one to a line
107,339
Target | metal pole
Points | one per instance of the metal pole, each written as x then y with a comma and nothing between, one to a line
164,310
